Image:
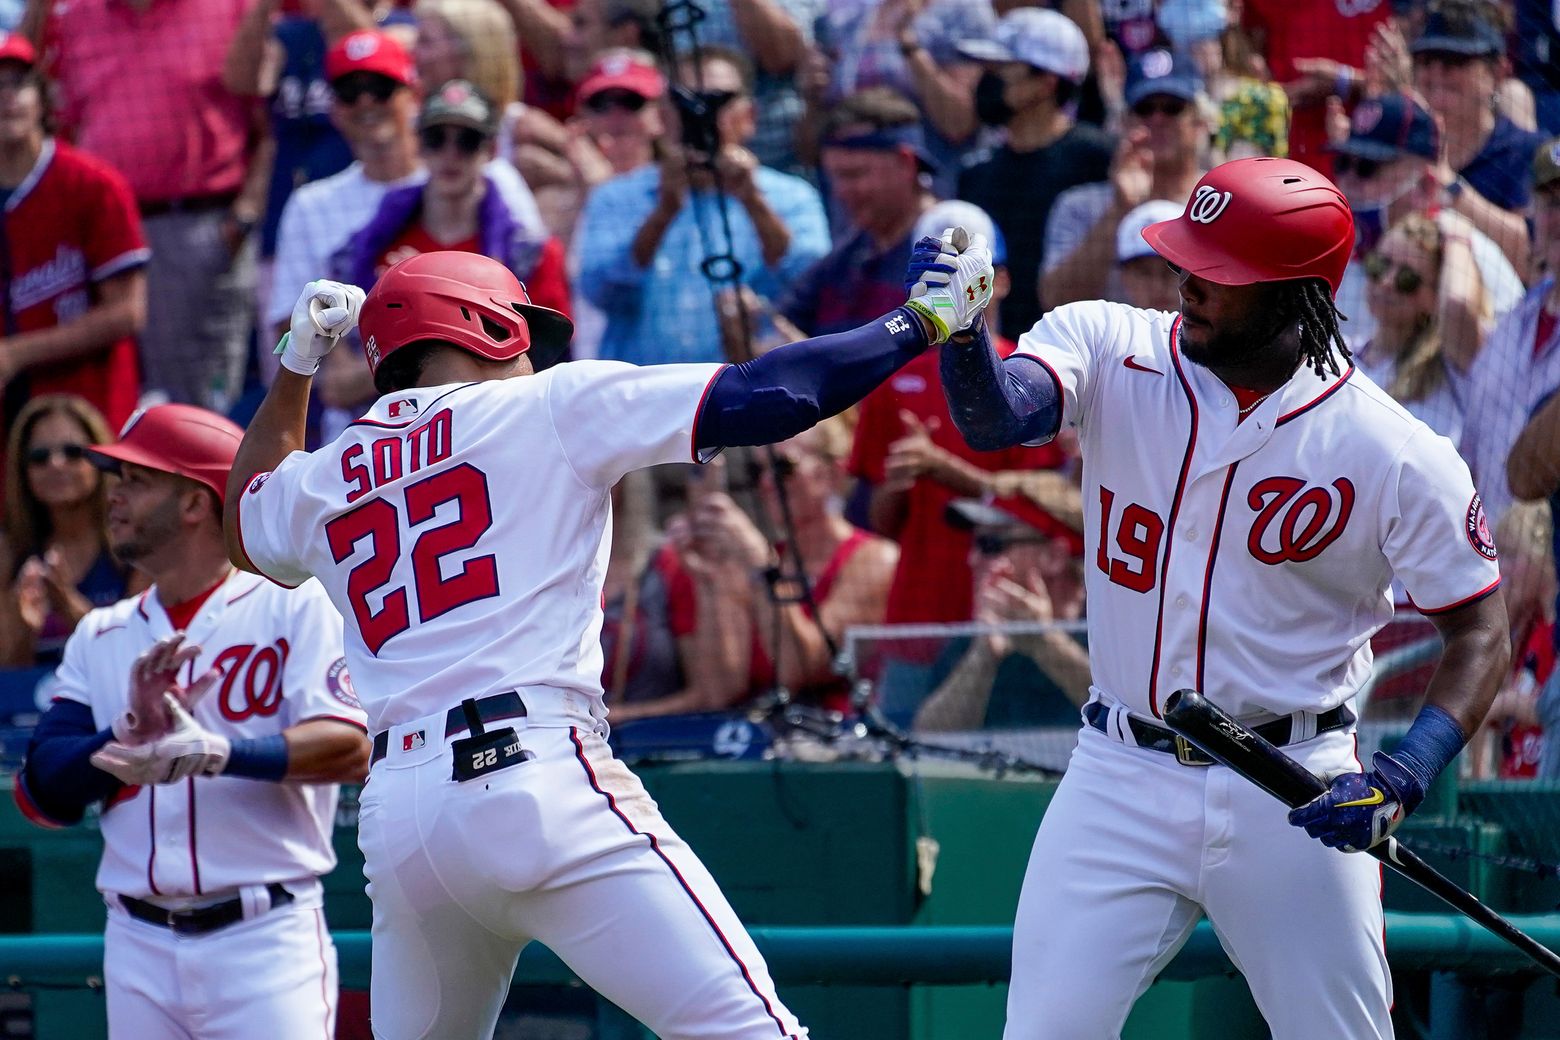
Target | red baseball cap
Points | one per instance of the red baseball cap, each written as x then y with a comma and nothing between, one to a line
175,438
369,50
623,70
16,47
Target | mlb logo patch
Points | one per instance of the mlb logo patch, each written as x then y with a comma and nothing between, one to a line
412,741
405,408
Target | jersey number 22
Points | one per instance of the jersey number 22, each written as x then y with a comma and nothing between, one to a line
379,520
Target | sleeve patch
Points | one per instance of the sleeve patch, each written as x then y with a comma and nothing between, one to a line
257,483
1477,527
339,682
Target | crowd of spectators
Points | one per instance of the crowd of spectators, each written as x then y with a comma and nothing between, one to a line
744,173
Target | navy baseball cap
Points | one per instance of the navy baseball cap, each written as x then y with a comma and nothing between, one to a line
1469,34
1389,127
1162,71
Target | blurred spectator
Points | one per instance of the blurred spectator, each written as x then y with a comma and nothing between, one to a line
596,25
1511,437
1431,317
75,258
1525,706
1146,280
1316,51
1008,680
1162,152
458,207
279,55
911,47
56,562
614,130
915,462
473,40
875,161
848,570
1537,58
140,85
1033,64
643,235
1387,168
1459,63
1252,111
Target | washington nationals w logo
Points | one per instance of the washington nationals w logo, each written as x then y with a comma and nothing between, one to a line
1207,204
1309,519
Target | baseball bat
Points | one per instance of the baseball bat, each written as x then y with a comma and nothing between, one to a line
1224,739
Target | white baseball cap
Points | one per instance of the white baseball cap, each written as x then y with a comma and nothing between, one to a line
958,213
1129,233
1046,40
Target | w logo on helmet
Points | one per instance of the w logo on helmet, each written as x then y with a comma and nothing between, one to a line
1207,204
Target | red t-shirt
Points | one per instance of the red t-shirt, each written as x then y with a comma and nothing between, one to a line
1336,29
547,283
71,225
1547,320
932,581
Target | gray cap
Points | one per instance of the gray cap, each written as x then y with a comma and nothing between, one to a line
1046,40
458,103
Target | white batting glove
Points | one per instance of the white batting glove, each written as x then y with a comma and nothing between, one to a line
956,304
189,749
324,313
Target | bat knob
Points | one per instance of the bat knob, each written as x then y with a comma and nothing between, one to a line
1175,699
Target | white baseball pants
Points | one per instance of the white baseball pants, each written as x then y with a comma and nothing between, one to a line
567,849
271,976
1135,846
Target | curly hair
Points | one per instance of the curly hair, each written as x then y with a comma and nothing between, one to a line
1309,302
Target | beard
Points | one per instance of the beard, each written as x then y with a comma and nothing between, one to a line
1234,345
158,529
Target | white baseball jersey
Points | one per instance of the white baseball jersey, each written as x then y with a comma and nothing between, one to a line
1251,561
280,652
463,530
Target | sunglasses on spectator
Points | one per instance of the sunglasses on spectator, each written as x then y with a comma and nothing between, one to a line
353,86
783,469
1406,280
606,100
1364,169
1164,106
436,138
41,455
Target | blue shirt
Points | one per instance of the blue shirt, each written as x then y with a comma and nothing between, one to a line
1503,170
849,287
308,146
665,313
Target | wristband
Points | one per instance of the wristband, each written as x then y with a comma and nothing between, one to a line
258,758
1430,744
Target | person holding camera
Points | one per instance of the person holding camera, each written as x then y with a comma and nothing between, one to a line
645,235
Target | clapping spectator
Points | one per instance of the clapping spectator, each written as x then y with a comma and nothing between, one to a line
876,165
1008,679
140,86
1162,152
1431,315
1458,63
643,235
1033,64
75,257
56,562
473,40
1387,167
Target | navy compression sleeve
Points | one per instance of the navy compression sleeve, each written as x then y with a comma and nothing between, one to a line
58,778
791,388
998,403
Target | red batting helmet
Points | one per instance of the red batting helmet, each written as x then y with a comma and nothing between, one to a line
175,438
1260,220
465,299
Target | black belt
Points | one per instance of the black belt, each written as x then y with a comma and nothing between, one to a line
189,204
1158,738
489,709
201,919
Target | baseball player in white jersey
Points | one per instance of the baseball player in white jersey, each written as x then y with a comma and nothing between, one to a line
1250,496
462,526
212,717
